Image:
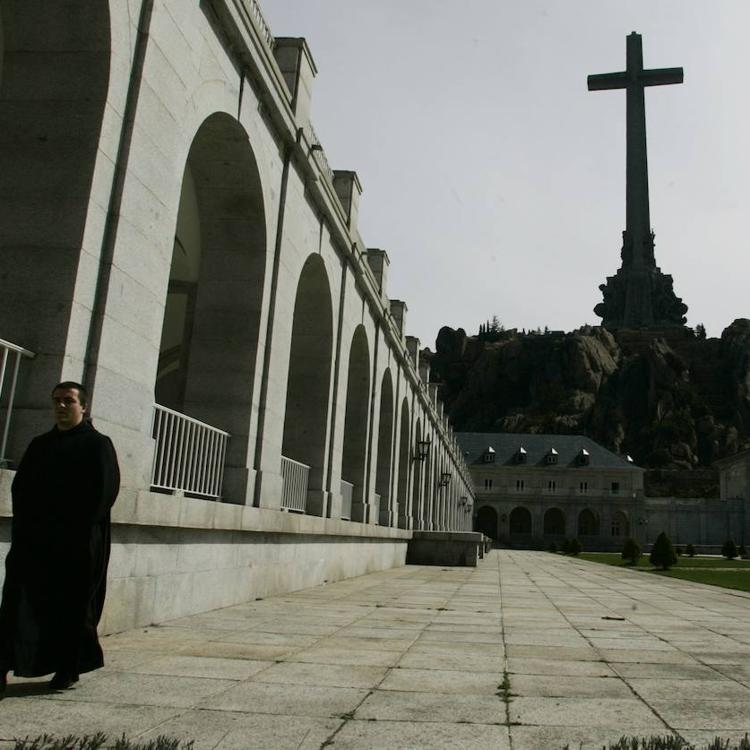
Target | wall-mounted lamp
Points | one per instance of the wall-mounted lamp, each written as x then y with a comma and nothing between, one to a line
423,450
445,479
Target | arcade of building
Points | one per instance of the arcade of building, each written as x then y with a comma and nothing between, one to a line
173,237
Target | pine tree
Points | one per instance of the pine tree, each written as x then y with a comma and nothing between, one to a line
662,553
631,551
729,550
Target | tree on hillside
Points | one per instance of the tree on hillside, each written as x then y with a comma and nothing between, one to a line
662,553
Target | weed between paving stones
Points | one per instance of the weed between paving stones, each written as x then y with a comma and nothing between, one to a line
671,743
98,741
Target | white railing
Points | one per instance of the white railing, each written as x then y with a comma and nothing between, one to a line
375,510
294,477
254,11
347,489
10,364
189,455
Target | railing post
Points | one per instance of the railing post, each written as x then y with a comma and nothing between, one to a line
6,348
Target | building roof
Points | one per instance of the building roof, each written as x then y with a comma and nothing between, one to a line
507,444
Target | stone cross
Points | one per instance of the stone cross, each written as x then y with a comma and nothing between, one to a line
639,294
634,79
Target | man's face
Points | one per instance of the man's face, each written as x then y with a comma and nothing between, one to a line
67,407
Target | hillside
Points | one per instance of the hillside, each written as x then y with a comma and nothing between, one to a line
672,400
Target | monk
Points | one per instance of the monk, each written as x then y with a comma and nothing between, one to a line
56,569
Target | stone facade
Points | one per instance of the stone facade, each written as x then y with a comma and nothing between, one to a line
532,490
568,486
172,233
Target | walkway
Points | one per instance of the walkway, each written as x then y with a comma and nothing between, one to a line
417,657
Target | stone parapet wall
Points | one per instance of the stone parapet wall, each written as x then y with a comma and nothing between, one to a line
174,556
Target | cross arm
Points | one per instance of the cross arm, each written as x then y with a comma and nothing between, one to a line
604,81
662,76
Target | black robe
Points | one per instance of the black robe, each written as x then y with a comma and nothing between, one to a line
56,569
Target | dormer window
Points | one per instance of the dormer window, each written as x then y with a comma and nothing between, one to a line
551,457
583,457
488,456
520,456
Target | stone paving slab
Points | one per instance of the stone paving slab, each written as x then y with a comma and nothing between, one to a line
528,651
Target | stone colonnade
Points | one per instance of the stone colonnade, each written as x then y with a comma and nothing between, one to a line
172,234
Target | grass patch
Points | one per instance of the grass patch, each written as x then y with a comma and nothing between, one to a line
613,558
728,579
98,741
717,571
670,742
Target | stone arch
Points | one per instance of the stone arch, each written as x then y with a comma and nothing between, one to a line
620,526
519,522
54,79
428,482
554,522
211,322
354,451
404,463
385,447
309,381
486,521
417,482
588,523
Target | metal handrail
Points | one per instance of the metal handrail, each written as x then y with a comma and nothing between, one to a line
7,349
347,490
189,455
295,477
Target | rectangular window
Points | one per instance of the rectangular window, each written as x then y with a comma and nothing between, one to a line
488,484
615,488
519,485
583,487
551,485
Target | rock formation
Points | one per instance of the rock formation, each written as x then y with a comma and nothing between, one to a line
672,400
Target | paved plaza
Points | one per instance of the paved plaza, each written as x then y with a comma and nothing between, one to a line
529,650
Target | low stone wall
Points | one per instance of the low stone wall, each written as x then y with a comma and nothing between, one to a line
175,556
459,548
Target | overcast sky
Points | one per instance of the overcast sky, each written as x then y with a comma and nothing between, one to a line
493,178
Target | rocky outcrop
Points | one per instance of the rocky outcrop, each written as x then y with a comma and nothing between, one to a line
670,399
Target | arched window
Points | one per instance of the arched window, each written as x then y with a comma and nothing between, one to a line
355,423
588,523
520,521
554,522
385,449
308,383
487,521
620,525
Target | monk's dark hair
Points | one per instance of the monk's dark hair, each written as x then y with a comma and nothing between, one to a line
83,394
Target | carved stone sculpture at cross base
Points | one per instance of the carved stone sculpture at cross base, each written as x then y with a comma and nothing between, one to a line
638,298
639,295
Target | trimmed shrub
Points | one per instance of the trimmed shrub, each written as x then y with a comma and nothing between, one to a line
574,548
742,551
729,550
565,547
690,550
662,553
631,551
552,547
678,550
